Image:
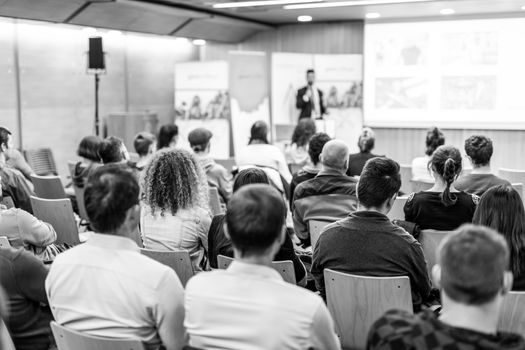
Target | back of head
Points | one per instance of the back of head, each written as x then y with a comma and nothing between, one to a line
479,149
173,180
446,162
142,143
166,134
259,132
335,155
379,181
303,132
501,209
111,150
255,218
110,191
4,137
250,176
367,140
435,138
473,263
88,148
199,139
316,144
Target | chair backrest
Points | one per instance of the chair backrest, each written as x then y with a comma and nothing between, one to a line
41,160
4,242
8,202
315,228
228,163
406,175
215,202
58,213
418,186
285,267
68,339
48,187
430,240
397,211
512,314
178,260
356,302
514,176
6,343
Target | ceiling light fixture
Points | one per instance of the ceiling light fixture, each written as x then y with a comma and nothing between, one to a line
304,18
373,15
350,3
199,42
229,5
447,12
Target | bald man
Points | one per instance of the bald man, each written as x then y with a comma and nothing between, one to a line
329,196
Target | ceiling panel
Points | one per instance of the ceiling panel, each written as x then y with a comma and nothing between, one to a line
45,10
219,29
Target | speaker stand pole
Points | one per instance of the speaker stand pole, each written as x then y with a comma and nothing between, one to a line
96,105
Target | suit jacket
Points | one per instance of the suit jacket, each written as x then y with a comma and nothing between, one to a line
306,107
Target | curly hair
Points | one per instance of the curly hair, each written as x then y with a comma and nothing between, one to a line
446,162
174,180
479,149
303,132
435,138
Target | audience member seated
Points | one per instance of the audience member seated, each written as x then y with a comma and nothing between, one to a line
312,168
220,244
168,136
420,170
297,153
113,150
366,144
330,195
442,207
501,209
13,182
89,159
218,176
249,306
106,287
473,276
16,160
261,153
22,276
367,243
144,144
479,151
175,212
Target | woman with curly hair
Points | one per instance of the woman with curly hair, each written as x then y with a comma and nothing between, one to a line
175,213
297,153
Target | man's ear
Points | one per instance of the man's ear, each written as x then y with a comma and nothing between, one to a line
133,214
508,279
436,276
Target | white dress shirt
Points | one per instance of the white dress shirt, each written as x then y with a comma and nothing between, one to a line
264,155
106,288
250,307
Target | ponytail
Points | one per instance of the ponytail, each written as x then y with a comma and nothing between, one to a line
449,175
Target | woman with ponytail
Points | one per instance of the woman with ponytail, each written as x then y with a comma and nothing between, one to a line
420,171
442,207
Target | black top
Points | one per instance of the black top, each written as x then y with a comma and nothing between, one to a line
519,280
478,183
367,243
426,210
399,330
219,244
299,177
357,161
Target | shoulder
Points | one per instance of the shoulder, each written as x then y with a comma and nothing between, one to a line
304,187
395,327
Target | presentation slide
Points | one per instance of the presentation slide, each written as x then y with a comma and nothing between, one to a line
451,74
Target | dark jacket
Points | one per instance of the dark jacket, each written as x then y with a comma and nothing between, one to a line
306,107
356,162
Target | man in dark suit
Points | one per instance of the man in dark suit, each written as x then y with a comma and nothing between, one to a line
310,99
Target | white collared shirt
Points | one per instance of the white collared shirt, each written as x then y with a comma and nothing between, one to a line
250,307
106,288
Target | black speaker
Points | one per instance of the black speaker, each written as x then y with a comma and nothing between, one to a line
96,54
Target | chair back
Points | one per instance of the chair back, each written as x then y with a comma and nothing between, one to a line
356,302
215,202
58,213
430,241
418,186
4,242
228,163
406,175
514,176
397,211
68,339
48,187
285,267
178,260
8,202
41,160
315,228
512,314
6,343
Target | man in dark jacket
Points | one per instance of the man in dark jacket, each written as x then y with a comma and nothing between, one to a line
310,99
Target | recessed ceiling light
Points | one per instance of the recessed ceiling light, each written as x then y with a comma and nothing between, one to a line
304,18
447,12
227,5
349,3
199,42
373,15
